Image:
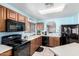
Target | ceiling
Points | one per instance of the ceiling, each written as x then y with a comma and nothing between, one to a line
32,9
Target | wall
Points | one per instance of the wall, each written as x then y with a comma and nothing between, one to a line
78,18
61,21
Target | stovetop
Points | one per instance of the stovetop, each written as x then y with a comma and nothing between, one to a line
13,40
14,44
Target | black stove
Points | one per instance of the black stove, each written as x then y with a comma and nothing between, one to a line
17,43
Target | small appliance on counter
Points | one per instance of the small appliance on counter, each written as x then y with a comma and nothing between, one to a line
44,33
19,45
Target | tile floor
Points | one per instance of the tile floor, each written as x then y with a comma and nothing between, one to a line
45,52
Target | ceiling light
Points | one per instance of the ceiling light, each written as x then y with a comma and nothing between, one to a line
52,9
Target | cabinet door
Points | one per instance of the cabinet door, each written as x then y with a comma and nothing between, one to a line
33,45
32,27
54,41
51,43
2,18
11,15
21,18
39,26
40,41
7,53
27,25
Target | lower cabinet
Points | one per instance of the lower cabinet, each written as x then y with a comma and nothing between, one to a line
7,53
35,43
54,41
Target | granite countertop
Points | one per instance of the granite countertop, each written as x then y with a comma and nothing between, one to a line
4,48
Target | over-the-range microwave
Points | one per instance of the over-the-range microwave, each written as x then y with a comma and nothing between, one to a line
14,26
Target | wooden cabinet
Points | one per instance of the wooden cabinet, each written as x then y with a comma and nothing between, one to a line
54,41
27,25
7,53
6,13
39,26
33,46
39,41
11,15
2,18
35,43
15,16
32,27
21,18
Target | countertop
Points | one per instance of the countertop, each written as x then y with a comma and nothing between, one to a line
71,49
33,37
36,36
4,48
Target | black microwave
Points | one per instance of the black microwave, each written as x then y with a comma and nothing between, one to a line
14,26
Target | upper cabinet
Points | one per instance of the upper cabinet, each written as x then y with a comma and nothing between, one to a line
6,13
21,18
2,18
27,24
40,26
11,15
32,27
15,16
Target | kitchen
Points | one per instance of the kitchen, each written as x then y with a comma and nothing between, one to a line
23,34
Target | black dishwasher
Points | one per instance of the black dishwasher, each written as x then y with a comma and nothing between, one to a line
45,40
22,50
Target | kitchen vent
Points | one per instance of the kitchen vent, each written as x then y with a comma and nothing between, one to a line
48,5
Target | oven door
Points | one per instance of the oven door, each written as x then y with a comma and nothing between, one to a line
23,50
